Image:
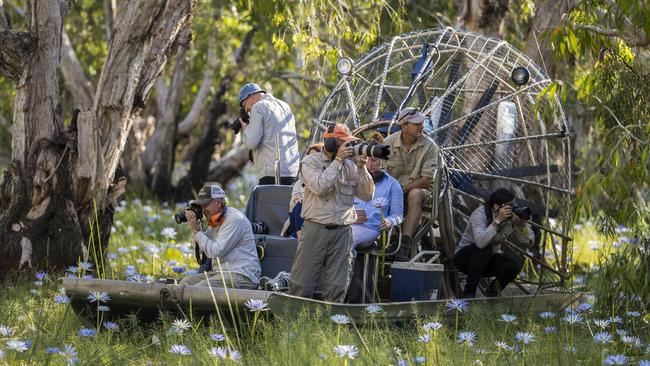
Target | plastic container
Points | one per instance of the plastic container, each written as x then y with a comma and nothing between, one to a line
416,281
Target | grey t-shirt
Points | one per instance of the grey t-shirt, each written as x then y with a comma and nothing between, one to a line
481,233
234,244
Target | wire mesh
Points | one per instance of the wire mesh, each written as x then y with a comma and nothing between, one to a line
491,132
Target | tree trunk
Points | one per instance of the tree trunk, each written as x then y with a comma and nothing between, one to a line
548,15
75,78
158,158
56,195
210,137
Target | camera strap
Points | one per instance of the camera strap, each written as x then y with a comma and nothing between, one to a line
489,216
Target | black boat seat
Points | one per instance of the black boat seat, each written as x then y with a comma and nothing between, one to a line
278,253
269,204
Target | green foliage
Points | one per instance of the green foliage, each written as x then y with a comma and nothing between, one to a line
612,79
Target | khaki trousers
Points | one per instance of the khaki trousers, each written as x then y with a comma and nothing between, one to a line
233,280
326,252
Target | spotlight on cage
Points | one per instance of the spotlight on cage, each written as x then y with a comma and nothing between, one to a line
344,65
520,75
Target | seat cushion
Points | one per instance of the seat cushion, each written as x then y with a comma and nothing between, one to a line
278,253
270,204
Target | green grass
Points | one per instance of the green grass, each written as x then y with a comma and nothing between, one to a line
29,309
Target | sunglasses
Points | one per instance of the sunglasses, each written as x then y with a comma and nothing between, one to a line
409,113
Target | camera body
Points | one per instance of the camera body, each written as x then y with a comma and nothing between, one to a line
370,150
236,124
180,216
522,212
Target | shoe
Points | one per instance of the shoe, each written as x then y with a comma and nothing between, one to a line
468,294
403,255
492,289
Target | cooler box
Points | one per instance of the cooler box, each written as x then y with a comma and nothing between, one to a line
416,281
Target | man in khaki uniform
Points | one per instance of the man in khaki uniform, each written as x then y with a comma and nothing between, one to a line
331,182
413,161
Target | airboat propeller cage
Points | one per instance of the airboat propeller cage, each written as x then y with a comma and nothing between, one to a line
490,115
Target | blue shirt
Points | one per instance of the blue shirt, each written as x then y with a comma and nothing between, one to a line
390,190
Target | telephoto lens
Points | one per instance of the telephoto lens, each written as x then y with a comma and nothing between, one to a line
371,150
277,283
259,227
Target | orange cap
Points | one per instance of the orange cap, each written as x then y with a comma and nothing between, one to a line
340,131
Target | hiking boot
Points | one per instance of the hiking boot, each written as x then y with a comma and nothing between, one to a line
492,289
404,253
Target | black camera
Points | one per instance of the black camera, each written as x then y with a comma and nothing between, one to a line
370,150
259,227
236,124
522,212
279,282
180,216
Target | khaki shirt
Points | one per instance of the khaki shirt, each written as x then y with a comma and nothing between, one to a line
408,165
330,188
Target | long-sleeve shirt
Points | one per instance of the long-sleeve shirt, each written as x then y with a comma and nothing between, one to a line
233,243
330,188
390,192
482,233
271,118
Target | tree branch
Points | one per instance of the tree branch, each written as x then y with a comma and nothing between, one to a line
189,122
641,40
75,78
109,17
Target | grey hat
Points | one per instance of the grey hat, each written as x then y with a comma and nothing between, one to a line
208,192
410,115
248,90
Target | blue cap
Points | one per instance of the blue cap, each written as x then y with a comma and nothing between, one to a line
248,90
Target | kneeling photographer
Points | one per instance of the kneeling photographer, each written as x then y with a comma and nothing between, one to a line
479,253
228,241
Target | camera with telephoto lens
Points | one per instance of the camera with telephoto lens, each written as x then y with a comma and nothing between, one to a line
236,124
370,150
277,283
522,212
180,216
259,227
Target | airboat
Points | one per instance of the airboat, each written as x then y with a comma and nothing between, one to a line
497,123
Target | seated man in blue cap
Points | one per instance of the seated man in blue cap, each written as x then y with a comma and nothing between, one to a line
270,135
228,242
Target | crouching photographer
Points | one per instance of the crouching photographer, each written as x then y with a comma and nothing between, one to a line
479,253
228,241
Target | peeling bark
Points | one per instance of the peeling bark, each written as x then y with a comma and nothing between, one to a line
15,47
57,193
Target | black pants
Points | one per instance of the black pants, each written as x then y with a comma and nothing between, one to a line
268,180
477,263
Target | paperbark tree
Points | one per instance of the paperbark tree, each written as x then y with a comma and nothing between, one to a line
56,195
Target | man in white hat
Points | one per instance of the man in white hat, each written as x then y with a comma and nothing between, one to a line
413,161
228,242
271,123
